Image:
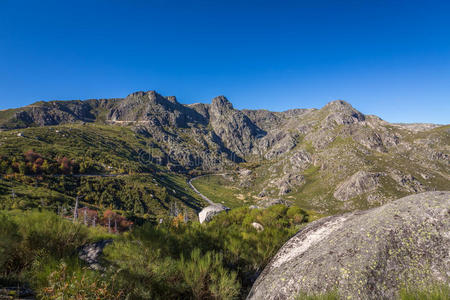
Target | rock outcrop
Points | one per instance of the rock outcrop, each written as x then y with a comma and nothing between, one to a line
341,113
55,113
91,253
257,226
157,110
207,213
365,255
359,183
302,155
235,129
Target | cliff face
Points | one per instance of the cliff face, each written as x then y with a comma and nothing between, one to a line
365,255
56,112
235,129
155,109
330,159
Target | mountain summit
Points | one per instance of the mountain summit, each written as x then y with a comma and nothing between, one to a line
333,158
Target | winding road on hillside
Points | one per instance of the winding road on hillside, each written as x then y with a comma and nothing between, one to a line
197,191
189,182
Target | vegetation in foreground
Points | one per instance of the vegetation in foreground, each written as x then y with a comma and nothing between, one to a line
437,291
171,260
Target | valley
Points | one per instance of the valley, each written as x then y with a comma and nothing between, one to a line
307,157
136,173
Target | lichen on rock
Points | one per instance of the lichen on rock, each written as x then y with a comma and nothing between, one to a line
365,255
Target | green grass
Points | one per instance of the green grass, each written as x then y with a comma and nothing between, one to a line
172,260
144,196
220,190
333,295
143,189
440,291
100,145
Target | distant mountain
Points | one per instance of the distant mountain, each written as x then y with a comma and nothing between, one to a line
329,159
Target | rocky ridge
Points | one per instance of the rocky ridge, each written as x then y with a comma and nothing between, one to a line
354,160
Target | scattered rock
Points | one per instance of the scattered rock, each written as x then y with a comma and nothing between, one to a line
300,160
270,202
408,182
262,193
257,226
288,182
245,172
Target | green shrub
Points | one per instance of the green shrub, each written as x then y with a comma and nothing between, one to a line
172,260
9,243
213,260
79,284
26,236
437,291
206,276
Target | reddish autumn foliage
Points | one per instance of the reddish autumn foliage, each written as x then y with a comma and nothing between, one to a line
115,222
31,156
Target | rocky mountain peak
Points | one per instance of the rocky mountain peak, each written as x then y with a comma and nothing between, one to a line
142,96
172,99
342,112
151,98
221,104
155,109
235,128
338,103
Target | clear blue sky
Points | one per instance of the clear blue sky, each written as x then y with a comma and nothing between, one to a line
389,58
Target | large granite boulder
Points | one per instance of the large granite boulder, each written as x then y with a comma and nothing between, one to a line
365,255
210,211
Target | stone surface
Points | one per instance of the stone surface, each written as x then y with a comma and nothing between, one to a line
359,183
265,203
207,213
311,153
90,253
365,255
235,129
257,226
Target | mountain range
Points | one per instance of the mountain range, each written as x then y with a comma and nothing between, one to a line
330,159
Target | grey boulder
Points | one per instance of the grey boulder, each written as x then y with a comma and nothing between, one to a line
90,253
207,213
365,255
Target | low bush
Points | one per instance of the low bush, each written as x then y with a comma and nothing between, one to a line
171,260
26,236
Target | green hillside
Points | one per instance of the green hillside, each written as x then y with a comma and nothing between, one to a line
107,166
